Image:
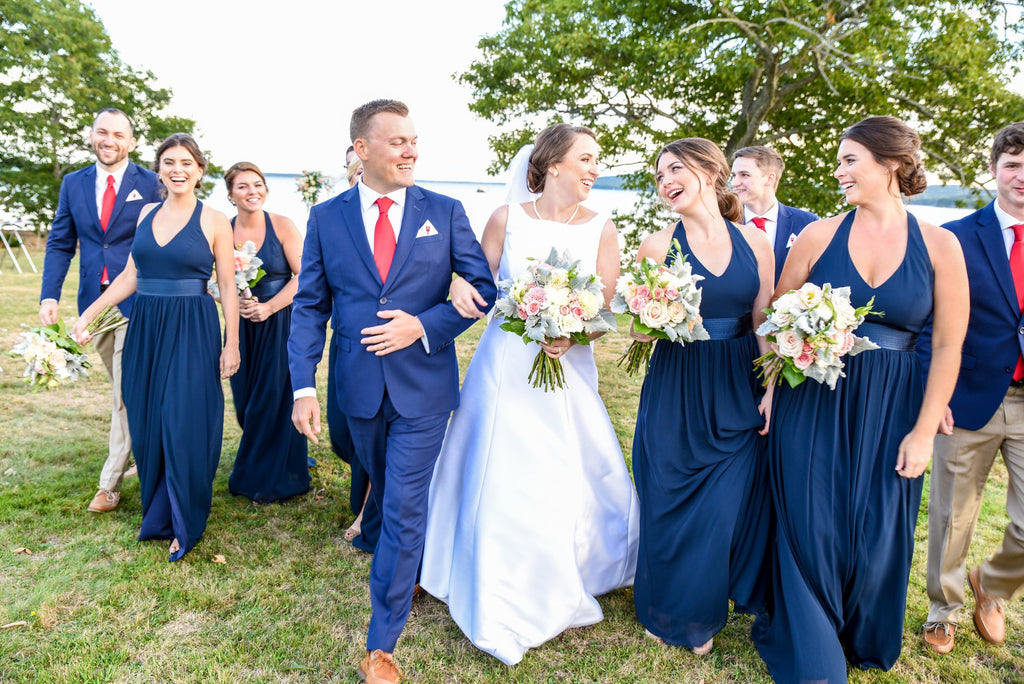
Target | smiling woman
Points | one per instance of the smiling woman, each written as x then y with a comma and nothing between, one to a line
172,354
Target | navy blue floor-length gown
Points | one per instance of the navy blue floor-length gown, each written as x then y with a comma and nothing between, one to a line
699,466
845,518
171,382
271,461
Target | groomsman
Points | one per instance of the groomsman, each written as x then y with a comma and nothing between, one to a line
755,180
381,256
98,208
987,410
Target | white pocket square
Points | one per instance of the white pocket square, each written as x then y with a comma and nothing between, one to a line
133,195
426,230
790,241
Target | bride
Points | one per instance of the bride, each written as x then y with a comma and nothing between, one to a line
532,512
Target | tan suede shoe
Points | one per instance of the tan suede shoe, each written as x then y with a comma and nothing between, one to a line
940,636
989,615
379,667
104,501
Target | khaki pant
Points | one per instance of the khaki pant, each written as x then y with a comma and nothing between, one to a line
110,345
960,469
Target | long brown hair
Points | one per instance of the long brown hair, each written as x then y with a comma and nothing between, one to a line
700,154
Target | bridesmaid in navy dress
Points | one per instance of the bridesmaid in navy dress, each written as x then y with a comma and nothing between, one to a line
846,464
698,460
271,461
173,360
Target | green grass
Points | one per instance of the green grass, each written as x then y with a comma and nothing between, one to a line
290,604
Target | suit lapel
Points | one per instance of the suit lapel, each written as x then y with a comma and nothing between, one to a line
991,237
352,219
88,190
411,219
781,234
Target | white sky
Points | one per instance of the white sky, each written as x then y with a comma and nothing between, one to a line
275,82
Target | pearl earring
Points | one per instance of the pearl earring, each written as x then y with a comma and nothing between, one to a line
555,173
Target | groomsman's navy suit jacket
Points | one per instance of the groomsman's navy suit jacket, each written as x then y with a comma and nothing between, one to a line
791,222
339,274
78,221
995,331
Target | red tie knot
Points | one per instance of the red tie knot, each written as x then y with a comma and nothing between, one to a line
110,181
384,203
1018,232
759,221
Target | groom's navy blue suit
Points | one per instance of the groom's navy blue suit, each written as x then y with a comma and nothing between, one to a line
397,405
77,221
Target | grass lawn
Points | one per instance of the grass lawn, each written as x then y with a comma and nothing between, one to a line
290,602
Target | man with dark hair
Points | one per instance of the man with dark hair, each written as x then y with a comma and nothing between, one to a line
987,410
756,172
98,208
381,257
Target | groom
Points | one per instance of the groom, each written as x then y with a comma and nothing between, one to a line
382,255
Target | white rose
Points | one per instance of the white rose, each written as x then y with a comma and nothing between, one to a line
790,343
654,314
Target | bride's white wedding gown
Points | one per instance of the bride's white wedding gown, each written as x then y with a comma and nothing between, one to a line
532,512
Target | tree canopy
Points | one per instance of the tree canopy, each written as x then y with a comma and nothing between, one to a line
791,74
57,69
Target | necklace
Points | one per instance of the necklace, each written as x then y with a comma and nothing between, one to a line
568,220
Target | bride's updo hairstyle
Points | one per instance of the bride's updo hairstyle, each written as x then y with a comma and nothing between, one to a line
891,141
551,146
703,156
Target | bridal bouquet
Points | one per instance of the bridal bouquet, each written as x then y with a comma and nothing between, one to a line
664,302
247,271
809,331
51,355
311,184
551,299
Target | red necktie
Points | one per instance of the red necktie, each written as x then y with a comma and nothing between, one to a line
384,239
759,221
109,195
1017,269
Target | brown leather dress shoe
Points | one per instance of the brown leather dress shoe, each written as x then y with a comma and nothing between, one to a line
940,636
379,667
104,501
989,615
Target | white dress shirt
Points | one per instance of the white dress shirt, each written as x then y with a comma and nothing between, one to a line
771,226
1005,221
101,183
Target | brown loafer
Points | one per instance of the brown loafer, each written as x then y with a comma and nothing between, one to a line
940,636
104,501
379,667
989,615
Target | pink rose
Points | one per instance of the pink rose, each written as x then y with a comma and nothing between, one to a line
563,310
533,308
804,361
644,292
671,294
577,311
846,343
523,313
636,304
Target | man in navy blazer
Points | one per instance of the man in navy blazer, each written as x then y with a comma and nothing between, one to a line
112,191
381,256
755,180
987,410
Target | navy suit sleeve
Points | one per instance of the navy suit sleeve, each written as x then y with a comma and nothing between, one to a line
60,247
441,322
311,310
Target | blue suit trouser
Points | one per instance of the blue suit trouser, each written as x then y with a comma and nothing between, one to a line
399,454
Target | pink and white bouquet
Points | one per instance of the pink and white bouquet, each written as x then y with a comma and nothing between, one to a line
664,302
809,331
247,271
311,184
51,355
551,299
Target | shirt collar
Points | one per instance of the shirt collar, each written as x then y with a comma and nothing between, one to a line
1005,220
117,173
367,196
772,214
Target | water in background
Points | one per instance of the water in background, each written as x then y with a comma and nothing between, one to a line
480,199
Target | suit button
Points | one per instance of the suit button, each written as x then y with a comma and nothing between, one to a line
384,300
1020,330
105,246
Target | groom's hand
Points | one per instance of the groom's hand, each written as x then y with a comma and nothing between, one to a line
306,410
398,333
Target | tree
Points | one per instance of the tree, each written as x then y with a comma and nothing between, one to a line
57,68
792,74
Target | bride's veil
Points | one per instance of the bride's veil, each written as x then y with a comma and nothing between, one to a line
516,189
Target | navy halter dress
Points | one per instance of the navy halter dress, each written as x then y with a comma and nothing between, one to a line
171,382
845,518
271,461
699,466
